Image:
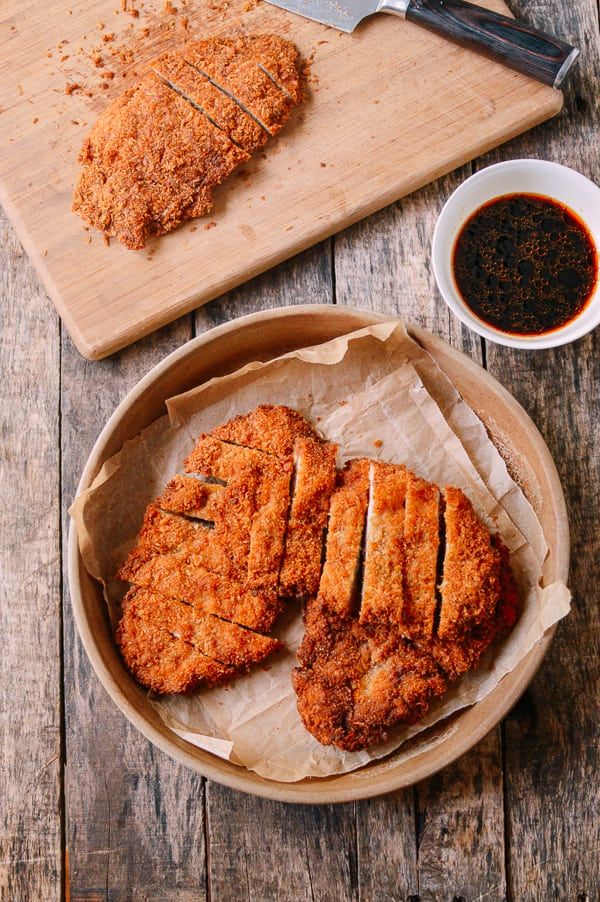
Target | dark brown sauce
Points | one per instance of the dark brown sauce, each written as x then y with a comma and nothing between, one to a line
525,264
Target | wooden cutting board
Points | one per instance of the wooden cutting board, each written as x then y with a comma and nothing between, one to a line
391,107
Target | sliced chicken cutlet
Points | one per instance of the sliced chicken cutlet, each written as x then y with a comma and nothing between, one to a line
224,112
347,512
314,480
383,574
421,548
220,646
191,498
280,60
270,428
151,162
229,64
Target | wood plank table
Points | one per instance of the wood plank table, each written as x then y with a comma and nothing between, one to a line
89,810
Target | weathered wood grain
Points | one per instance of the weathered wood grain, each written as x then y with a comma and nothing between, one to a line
134,818
552,737
30,621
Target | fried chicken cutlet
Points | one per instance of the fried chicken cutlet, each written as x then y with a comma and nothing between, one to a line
375,654
156,153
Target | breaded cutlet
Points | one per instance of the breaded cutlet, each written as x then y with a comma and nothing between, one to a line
191,497
383,573
219,107
229,64
421,546
314,481
270,428
150,162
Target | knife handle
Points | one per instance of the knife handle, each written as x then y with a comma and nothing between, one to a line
514,43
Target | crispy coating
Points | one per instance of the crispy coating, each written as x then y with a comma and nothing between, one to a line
347,512
361,674
191,497
315,475
155,155
383,575
220,646
470,586
149,163
219,107
269,428
229,63
421,543
222,459
160,660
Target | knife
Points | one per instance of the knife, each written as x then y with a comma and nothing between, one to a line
533,52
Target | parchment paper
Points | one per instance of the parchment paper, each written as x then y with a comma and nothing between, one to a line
377,393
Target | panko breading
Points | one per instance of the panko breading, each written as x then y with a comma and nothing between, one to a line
150,162
383,574
314,480
421,547
347,512
155,155
217,642
269,428
191,497
471,584
217,106
370,663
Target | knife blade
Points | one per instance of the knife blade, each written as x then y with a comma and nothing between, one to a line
514,43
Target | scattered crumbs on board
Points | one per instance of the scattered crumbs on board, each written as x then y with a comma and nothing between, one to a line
210,225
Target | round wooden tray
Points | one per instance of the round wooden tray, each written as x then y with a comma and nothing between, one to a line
262,336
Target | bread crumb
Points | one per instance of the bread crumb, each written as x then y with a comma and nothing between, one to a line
71,87
106,239
323,165
377,443
169,8
35,120
210,225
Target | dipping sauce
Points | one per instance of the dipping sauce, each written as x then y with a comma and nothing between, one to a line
525,264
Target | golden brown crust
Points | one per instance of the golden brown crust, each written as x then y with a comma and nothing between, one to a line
315,475
221,109
348,508
421,543
222,648
151,162
229,63
470,586
383,575
270,428
192,498
282,62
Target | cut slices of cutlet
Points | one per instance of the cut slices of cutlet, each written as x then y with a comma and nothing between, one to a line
229,64
280,60
343,559
470,586
314,481
383,573
191,648
221,109
191,498
150,162
270,428
421,548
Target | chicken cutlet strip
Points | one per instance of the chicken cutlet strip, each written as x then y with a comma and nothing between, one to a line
315,475
159,659
270,428
224,642
229,64
191,497
181,575
151,162
421,547
383,575
347,512
267,533
470,586
220,109
280,60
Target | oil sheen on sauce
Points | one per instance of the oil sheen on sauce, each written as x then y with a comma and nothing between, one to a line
525,264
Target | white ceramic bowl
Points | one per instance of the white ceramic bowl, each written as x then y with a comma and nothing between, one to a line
513,177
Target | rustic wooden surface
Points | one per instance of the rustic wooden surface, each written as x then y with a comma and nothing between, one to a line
89,809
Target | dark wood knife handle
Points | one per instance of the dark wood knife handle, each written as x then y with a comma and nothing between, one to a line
514,43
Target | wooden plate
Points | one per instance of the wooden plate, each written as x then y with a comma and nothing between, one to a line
262,336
